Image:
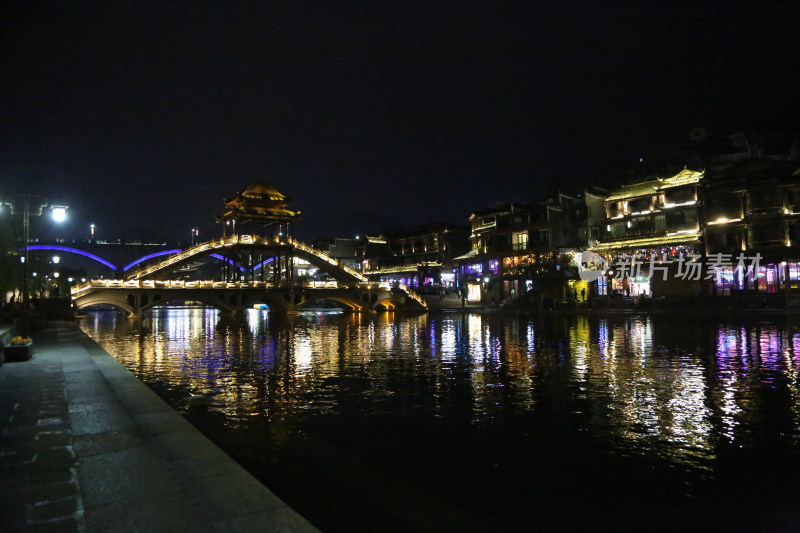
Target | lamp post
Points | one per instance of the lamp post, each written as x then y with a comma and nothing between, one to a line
32,204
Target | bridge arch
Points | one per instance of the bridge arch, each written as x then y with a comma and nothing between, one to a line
150,256
216,303
105,301
69,250
348,303
221,258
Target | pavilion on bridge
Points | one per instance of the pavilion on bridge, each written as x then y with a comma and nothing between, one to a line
260,205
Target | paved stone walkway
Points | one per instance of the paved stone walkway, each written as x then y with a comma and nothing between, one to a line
85,446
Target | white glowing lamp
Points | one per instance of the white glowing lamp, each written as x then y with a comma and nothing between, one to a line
59,213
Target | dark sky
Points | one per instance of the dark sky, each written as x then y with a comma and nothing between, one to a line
144,116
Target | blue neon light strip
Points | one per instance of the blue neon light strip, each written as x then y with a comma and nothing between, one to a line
146,257
262,263
217,256
70,250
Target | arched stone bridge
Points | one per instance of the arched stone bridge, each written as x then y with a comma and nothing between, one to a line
136,297
140,292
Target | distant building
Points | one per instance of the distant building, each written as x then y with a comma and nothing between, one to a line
417,257
526,250
344,250
595,200
752,208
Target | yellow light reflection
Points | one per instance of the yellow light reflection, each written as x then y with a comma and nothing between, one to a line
638,382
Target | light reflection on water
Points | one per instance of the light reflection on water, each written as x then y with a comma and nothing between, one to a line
651,393
662,388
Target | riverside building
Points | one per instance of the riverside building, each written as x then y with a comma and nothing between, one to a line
525,252
732,230
419,257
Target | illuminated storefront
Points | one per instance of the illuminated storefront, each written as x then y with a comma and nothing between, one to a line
769,278
473,268
578,290
474,292
448,280
516,261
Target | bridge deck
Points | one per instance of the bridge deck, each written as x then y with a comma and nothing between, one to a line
132,295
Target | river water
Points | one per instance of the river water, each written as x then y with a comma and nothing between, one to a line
492,422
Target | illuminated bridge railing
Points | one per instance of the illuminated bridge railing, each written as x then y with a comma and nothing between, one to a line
327,258
78,290
413,295
243,239
189,252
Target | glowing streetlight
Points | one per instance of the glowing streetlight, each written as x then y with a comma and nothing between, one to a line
59,213
32,204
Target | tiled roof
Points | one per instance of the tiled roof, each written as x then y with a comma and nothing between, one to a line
680,238
647,188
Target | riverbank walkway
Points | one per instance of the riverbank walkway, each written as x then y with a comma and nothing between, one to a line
85,446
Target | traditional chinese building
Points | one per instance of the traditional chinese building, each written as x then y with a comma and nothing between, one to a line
260,205
522,249
752,211
262,210
654,220
418,257
507,241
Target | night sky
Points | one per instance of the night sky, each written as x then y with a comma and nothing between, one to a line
144,116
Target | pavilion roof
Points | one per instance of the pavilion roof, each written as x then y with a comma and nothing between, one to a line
259,203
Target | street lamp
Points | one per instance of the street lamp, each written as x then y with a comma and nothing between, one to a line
32,204
59,213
